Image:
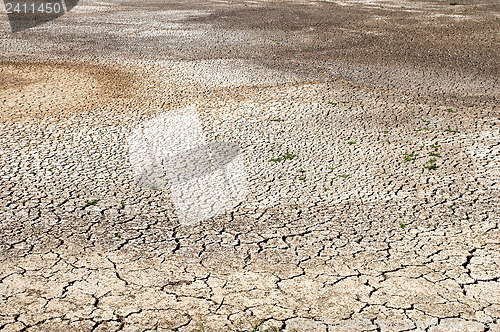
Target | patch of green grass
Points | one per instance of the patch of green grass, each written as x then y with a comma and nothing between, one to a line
388,141
154,188
300,170
275,160
434,146
331,168
345,176
409,157
122,202
302,178
50,170
118,235
32,173
326,189
386,132
351,142
451,131
434,154
453,3
420,129
345,102
425,121
402,225
277,120
289,155
332,103
92,202
450,111
432,165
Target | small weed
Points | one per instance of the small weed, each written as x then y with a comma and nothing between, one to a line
155,166
302,178
331,168
258,325
388,141
118,235
92,202
32,173
434,154
420,129
431,167
201,329
289,155
425,121
351,142
451,207
453,3
435,146
451,131
275,160
409,157
154,188
345,176
332,103
326,189
122,202
50,170
277,120
450,111
431,161
345,102
402,225
300,170
386,132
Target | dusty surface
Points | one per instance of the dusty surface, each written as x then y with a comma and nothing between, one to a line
357,232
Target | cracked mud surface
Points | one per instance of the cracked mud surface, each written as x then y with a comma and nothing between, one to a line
356,232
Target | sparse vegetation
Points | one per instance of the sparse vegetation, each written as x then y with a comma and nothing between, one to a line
351,142
431,164
409,157
345,176
289,155
434,154
90,203
451,131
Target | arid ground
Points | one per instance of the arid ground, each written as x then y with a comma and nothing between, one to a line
370,133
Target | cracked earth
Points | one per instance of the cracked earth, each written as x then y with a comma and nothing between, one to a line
370,133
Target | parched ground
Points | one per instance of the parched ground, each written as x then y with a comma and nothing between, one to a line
386,218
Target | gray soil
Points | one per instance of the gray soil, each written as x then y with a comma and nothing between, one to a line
386,219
